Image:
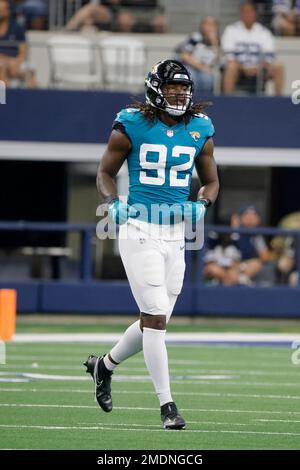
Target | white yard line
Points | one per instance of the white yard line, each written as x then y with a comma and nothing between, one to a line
146,392
117,377
277,420
158,426
71,366
272,364
140,429
134,408
170,337
183,381
136,364
11,380
178,380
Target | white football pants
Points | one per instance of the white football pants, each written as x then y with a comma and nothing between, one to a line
154,264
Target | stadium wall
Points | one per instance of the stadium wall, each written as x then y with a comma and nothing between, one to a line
86,118
116,298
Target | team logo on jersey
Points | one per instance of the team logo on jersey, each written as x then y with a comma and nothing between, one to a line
195,135
170,133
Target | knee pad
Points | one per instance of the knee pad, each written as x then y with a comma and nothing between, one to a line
175,278
156,301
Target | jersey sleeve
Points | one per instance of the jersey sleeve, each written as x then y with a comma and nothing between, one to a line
207,127
127,116
125,120
204,131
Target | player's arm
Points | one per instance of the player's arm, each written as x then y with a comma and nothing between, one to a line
207,171
114,156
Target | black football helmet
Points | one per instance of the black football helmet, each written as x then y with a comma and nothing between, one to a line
166,72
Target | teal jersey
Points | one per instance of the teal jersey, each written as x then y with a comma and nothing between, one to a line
162,158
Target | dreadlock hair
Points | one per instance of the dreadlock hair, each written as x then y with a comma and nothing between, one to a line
152,114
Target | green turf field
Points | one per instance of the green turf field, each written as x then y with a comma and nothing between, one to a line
43,323
231,398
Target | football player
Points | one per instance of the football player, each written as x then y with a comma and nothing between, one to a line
162,140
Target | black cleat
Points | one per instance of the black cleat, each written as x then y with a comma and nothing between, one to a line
102,378
170,417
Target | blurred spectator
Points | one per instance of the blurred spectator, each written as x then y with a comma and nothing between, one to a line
286,19
221,259
238,258
121,15
145,16
253,248
200,52
92,15
287,263
32,13
13,49
249,51
285,250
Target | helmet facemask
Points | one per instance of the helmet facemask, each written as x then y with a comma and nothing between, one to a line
177,103
165,74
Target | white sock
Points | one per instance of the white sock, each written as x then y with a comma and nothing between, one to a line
129,344
156,359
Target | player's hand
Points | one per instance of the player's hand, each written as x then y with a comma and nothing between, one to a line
193,211
119,212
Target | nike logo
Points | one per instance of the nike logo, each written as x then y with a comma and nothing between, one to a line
182,247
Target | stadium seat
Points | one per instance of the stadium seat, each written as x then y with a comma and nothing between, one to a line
123,62
72,61
252,85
